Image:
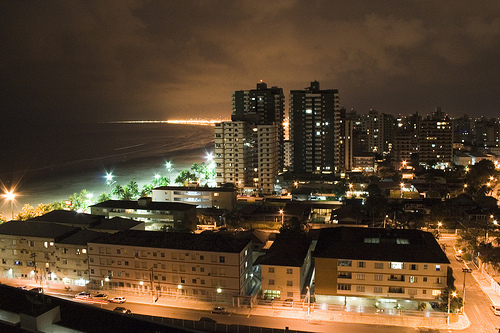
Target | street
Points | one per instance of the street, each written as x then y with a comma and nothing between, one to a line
477,303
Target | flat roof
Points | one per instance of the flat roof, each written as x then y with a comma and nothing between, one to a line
68,217
195,188
152,205
36,229
211,242
81,237
401,245
286,250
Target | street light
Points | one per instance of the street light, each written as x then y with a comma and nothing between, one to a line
453,294
402,187
10,196
282,213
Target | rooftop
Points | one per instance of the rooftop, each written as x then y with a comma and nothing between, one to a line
211,242
68,217
402,245
195,188
287,250
36,229
81,237
151,205
116,223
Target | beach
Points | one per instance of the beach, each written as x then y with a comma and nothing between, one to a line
127,151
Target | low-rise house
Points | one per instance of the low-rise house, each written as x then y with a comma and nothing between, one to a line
285,268
205,266
201,196
382,267
155,215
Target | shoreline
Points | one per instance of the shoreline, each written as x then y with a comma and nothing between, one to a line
59,183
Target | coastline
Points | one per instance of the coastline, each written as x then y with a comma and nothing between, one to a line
57,187
129,152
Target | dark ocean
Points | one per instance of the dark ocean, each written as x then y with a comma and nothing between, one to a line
46,162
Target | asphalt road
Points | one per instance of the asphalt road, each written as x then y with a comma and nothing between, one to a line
262,321
477,303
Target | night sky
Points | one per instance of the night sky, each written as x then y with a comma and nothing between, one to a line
158,60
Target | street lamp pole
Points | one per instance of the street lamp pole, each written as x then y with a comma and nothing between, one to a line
453,294
308,295
152,291
465,270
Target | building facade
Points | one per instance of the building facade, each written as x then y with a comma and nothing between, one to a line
285,268
375,265
436,139
314,130
249,149
202,197
200,266
155,215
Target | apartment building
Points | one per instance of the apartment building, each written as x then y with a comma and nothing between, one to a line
70,265
285,268
375,266
155,215
435,139
28,249
315,130
203,266
202,197
249,149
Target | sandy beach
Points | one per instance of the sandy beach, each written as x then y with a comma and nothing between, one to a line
137,160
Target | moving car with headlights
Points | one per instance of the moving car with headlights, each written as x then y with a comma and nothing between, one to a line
83,295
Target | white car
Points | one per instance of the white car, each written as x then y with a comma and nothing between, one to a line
120,300
496,310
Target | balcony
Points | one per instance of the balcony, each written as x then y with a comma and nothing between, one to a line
396,278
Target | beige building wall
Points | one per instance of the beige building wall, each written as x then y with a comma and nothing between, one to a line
198,274
419,281
43,261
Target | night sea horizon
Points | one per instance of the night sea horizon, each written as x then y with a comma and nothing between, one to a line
47,162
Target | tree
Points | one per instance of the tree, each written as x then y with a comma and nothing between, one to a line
478,176
103,197
118,191
292,226
80,201
29,212
132,190
375,203
185,177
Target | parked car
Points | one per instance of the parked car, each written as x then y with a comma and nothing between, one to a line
22,288
495,309
119,300
37,290
83,295
100,296
121,309
288,302
458,257
219,310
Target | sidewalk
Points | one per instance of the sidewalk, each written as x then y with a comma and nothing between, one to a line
485,285
316,316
